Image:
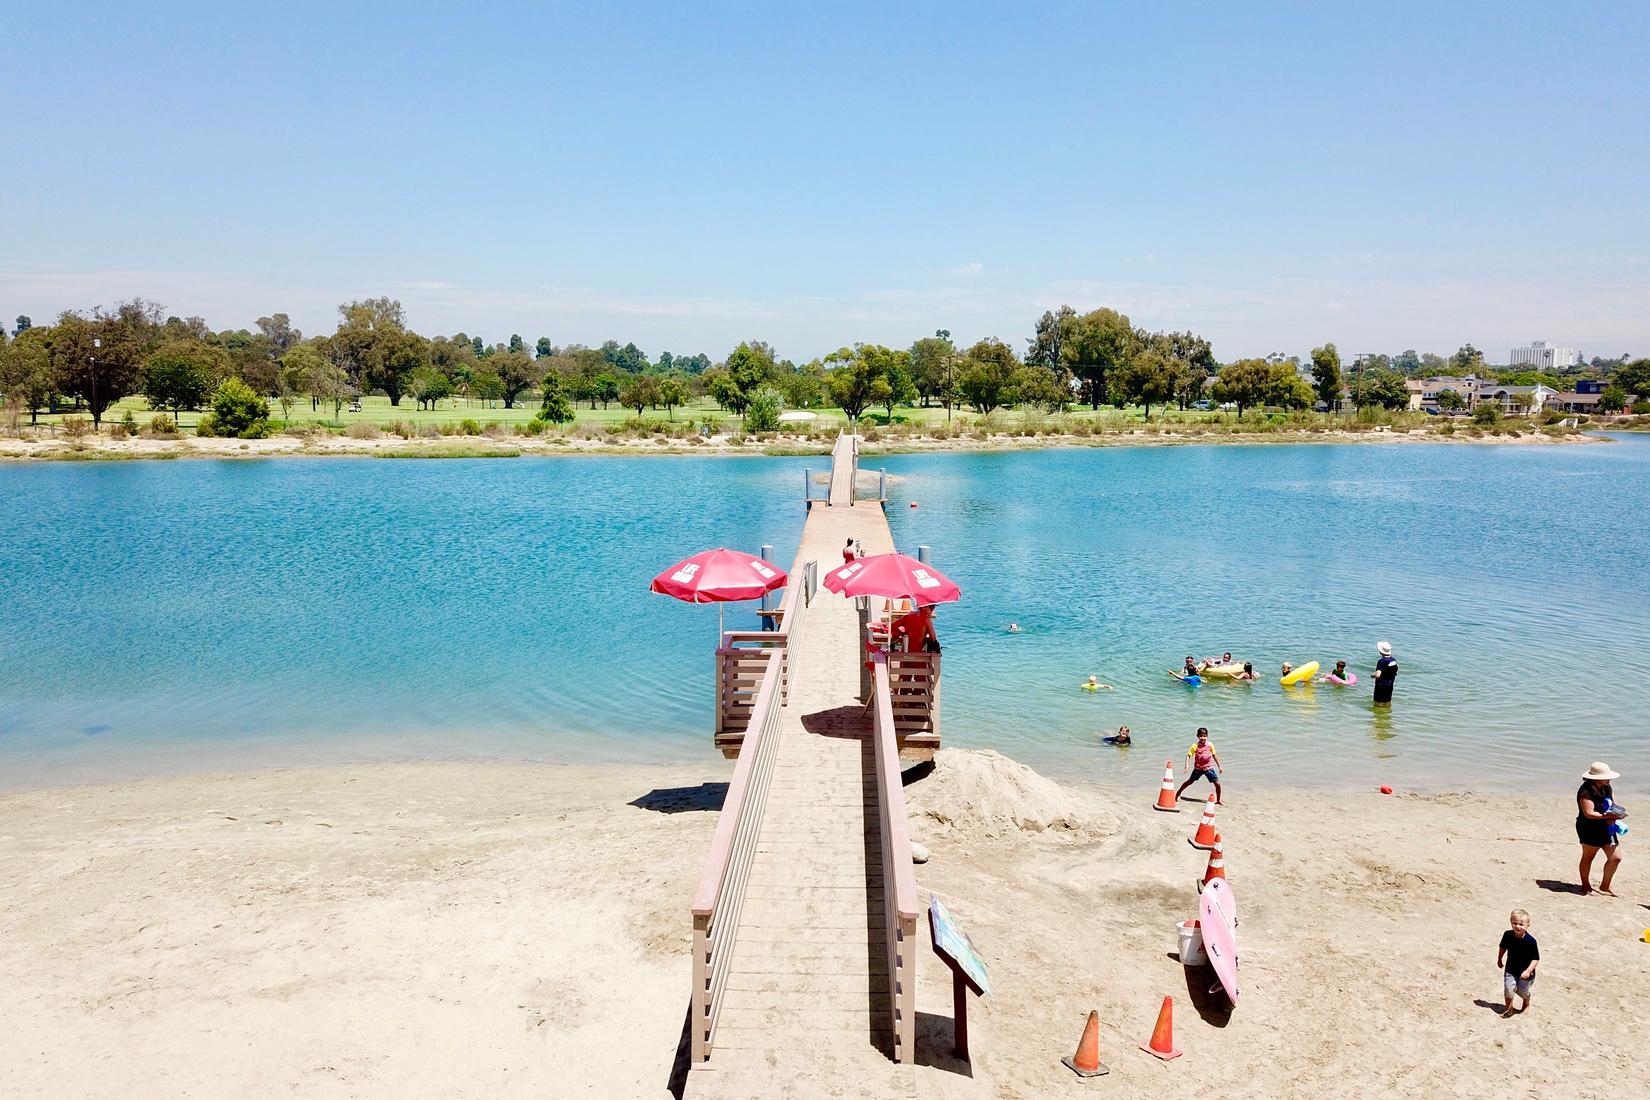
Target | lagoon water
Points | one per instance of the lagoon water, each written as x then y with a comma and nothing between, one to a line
164,617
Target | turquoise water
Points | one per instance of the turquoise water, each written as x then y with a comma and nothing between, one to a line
185,616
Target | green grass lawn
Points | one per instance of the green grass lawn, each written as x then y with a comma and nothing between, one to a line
378,411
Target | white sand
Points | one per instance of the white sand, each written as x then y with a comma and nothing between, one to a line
509,930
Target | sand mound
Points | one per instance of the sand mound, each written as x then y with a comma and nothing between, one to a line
985,794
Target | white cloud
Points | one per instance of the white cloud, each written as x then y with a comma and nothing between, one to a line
972,267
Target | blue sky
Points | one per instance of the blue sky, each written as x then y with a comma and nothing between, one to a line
686,176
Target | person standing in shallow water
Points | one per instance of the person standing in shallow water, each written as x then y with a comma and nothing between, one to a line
1386,672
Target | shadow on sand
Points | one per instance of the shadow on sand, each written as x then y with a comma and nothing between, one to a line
677,800
1558,887
936,1047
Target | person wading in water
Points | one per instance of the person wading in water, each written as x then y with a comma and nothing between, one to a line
1386,672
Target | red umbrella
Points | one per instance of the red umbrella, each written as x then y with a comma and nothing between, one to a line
719,576
894,576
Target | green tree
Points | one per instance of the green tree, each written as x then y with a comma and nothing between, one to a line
673,392
426,386
1407,362
486,385
26,370
1326,375
1047,344
1612,400
933,359
638,393
517,372
544,349
894,368
1450,401
329,382
279,334
181,374
1245,383
237,413
99,359
299,368
553,404
1097,343
1487,412
1468,360
1147,378
762,410
400,356
988,374
1042,387
1633,378
516,343
749,367
854,382
1384,388
23,325
364,338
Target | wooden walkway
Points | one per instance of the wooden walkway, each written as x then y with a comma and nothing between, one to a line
808,988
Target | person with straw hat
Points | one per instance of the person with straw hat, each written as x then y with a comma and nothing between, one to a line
1386,672
1598,825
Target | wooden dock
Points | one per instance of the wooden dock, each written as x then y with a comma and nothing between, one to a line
818,971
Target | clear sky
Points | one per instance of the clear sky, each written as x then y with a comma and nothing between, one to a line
688,175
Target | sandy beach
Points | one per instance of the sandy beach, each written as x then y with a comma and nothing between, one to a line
43,446
522,930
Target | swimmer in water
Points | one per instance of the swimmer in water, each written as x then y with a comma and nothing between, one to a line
1122,737
1248,672
1014,628
1093,684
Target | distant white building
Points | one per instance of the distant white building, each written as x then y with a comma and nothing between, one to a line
1542,356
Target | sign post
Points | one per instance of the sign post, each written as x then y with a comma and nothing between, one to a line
958,952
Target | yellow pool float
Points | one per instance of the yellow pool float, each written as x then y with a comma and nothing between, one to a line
1305,672
1222,672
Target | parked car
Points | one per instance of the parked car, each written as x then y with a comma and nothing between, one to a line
1201,406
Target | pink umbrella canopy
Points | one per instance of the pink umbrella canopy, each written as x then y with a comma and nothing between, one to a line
895,576
719,576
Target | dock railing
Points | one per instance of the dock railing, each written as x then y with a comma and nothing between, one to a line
721,891
899,878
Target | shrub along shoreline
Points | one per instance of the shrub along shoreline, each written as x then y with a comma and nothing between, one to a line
473,438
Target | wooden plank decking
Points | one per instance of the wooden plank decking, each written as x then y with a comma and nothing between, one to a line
809,985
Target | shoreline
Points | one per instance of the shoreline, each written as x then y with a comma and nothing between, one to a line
104,449
509,929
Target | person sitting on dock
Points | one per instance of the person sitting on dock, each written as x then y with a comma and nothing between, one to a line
1122,737
913,632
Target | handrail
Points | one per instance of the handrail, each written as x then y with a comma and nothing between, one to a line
898,875
720,894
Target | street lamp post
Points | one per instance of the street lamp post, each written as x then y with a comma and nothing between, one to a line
97,344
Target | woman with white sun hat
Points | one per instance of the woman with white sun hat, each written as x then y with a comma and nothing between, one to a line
1598,825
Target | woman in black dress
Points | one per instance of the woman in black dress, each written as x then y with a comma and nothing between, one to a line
1595,814
1386,672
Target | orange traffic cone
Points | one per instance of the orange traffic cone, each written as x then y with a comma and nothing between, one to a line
1086,1062
1161,1044
1205,836
1165,797
1217,863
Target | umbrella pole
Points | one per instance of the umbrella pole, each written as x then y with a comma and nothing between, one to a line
721,630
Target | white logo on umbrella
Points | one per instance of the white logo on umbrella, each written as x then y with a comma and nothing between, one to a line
684,574
925,579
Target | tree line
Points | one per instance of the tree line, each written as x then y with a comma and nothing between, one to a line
94,358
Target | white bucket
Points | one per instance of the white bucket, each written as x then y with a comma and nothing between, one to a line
1191,944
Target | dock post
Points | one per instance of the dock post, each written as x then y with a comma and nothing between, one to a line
807,486
763,608
922,554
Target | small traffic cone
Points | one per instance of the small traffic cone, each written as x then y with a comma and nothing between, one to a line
1217,863
1204,838
1165,797
1086,1062
1161,1044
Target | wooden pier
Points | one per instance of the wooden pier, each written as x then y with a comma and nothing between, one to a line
805,918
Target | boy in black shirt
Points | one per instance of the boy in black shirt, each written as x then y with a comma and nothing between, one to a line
1517,958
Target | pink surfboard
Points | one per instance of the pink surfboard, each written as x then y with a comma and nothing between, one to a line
1217,910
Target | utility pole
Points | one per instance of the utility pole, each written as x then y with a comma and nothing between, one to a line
97,417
